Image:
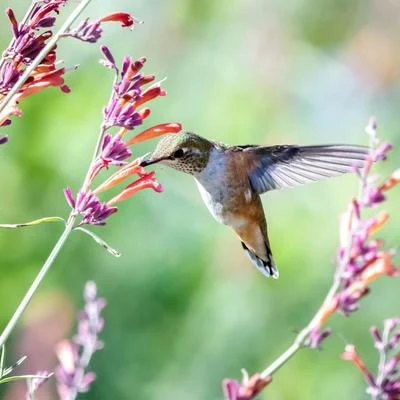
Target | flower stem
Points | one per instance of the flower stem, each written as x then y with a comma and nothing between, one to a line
302,336
35,284
51,43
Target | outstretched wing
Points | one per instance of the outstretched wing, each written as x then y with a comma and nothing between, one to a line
277,167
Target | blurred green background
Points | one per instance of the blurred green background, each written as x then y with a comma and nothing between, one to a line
185,306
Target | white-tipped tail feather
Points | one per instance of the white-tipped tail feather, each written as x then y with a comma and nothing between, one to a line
267,267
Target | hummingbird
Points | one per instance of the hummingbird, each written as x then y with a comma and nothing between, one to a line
232,178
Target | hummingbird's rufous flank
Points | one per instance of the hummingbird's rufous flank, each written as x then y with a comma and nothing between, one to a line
232,178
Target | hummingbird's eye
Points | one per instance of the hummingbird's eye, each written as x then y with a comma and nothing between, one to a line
178,153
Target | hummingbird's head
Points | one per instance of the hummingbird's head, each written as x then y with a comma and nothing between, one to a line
185,151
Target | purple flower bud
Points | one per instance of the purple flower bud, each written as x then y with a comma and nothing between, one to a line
90,291
394,341
46,22
376,335
381,151
114,151
9,76
89,206
87,31
13,20
390,366
3,139
69,197
109,61
124,117
373,196
316,337
231,389
87,380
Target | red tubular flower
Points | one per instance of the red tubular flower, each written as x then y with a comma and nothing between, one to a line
126,19
123,173
155,131
393,180
150,94
145,182
40,81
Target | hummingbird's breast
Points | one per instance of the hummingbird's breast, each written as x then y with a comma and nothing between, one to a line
224,188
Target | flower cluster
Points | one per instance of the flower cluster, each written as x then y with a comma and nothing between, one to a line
386,384
89,206
75,355
361,257
30,37
124,112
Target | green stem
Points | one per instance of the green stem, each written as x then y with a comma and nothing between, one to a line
35,284
51,43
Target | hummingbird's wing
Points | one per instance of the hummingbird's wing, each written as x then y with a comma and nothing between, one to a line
277,167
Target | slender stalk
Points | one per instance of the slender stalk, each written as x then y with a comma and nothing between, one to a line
35,284
302,336
51,43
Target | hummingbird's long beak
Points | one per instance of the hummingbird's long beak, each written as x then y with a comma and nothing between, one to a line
145,163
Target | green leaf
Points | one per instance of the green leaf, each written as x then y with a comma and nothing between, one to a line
100,241
31,223
8,370
21,377
2,359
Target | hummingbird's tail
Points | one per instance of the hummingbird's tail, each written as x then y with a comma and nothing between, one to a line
267,267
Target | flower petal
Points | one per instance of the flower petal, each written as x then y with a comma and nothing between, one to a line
145,182
119,176
126,19
155,131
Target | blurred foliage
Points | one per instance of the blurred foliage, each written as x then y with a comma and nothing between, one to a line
185,306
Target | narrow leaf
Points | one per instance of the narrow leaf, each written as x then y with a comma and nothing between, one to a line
8,370
21,377
2,359
31,223
100,241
